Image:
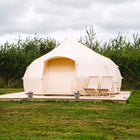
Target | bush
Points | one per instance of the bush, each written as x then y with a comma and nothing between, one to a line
14,58
124,53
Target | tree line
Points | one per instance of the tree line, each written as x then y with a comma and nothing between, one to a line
15,57
125,53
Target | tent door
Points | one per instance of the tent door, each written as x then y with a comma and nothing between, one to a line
59,75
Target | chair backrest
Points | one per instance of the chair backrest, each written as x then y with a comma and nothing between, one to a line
106,82
93,82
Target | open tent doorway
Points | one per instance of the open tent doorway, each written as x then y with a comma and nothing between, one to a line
59,75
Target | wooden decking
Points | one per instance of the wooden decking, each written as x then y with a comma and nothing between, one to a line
120,98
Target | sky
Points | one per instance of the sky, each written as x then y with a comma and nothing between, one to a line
62,19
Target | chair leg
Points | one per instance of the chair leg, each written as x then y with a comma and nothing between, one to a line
111,94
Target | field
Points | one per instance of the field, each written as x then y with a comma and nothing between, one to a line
10,90
71,120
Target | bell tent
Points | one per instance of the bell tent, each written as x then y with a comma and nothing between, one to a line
67,68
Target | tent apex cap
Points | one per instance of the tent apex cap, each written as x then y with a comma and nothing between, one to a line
71,39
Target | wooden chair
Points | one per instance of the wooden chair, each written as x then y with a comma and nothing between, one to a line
92,86
106,87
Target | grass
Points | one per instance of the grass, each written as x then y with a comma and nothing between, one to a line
10,90
71,120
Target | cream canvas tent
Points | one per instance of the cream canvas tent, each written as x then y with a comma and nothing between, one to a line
66,69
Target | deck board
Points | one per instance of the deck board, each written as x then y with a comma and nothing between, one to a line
120,98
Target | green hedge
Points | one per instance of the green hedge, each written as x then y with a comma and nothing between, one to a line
125,53
14,58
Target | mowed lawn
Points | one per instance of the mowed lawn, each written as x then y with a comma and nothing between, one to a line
71,120
10,90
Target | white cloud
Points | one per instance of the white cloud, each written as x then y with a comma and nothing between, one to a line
68,17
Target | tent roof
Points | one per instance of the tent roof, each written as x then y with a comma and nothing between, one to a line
71,49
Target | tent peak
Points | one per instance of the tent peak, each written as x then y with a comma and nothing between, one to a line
70,40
